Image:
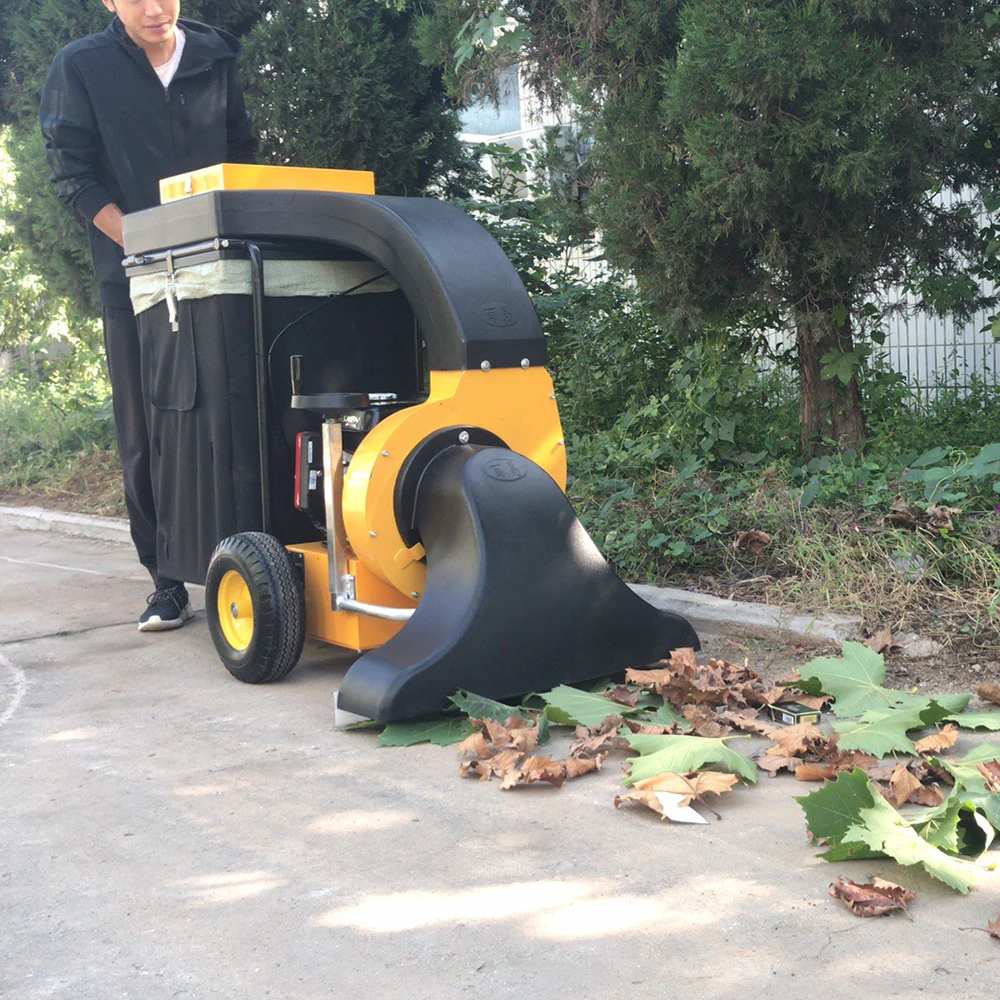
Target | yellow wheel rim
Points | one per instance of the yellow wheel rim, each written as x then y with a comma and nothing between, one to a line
235,609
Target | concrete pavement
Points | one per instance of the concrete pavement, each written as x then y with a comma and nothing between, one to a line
166,831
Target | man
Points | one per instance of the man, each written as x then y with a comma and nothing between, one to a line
152,96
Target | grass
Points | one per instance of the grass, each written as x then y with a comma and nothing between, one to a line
849,561
57,441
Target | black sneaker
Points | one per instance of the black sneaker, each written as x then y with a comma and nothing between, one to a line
165,609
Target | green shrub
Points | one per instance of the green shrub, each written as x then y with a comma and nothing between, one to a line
47,423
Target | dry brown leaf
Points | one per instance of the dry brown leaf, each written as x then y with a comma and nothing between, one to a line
773,764
705,723
647,799
873,899
994,928
649,729
623,695
476,743
849,760
815,772
497,733
501,765
683,657
543,769
989,691
753,542
942,740
575,766
691,786
991,772
881,641
942,517
747,720
654,679
817,702
797,740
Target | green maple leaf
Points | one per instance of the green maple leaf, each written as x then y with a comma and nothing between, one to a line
971,785
941,707
568,706
884,830
440,731
683,754
939,825
879,732
477,707
667,715
976,720
855,681
834,809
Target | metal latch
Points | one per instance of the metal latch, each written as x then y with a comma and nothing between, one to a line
172,293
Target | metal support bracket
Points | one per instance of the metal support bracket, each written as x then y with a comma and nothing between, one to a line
343,586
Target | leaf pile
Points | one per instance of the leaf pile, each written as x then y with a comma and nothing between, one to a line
677,717
506,750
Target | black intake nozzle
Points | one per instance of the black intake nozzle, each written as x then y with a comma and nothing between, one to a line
518,597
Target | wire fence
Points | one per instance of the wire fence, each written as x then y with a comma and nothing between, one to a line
936,352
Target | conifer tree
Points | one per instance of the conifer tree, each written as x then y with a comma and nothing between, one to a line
340,84
769,162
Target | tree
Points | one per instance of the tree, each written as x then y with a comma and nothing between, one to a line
771,162
340,84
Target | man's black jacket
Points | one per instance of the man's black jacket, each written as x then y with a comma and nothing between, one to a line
112,130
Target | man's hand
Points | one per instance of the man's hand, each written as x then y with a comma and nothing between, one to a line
109,221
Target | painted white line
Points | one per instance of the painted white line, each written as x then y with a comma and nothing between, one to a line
20,688
69,569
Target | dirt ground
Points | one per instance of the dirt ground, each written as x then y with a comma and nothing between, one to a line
954,669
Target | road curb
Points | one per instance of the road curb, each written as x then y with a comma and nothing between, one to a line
103,529
708,614
714,615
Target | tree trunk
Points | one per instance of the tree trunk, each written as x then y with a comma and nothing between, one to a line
829,411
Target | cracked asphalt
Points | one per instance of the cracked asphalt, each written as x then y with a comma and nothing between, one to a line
168,832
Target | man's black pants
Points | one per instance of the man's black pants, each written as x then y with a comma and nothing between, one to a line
121,344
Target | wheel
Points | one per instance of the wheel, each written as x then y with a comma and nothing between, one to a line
255,607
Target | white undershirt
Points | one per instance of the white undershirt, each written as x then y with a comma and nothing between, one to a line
169,68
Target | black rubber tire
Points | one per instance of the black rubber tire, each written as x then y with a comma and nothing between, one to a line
278,607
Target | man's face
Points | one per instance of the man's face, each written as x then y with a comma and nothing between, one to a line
148,22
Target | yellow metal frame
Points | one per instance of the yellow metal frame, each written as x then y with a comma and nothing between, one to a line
253,177
518,405
345,628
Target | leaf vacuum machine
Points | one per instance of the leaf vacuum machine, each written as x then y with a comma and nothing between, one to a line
355,439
